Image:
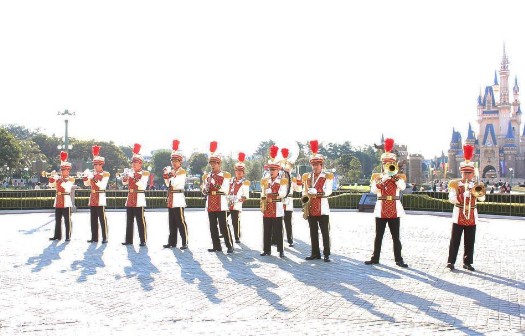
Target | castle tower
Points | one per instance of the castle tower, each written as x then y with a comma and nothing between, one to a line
415,170
454,150
509,151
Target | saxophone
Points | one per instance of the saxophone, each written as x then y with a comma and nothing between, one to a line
264,202
305,200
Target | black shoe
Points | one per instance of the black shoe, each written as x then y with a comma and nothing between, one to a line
92,241
326,259
168,246
127,243
142,244
290,245
214,250
54,238
450,266
264,254
371,262
237,241
105,241
68,239
183,247
312,257
401,264
281,254
469,267
230,250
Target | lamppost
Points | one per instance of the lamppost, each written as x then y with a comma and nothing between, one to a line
511,175
66,114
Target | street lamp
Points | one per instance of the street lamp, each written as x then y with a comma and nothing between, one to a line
66,114
511,175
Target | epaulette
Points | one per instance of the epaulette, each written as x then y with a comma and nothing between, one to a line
374,177
246,183
402,176
71,179
227,175
181,172
145,173
453,183
294,180
284,181
106,174
329,176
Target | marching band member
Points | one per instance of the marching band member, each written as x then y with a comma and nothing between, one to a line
175,180
388,208
317,186
63,184
296,184
273,189
239,191
137,182
98,181
464,193
215,186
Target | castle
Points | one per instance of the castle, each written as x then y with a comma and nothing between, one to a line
500,144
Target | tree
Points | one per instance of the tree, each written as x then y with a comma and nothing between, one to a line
264,148
161,158
82,156
10,151
20,132
349,168
198,163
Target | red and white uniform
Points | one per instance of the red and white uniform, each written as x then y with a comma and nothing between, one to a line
175,181
239,191
388,204
137,183
98,183
323,184
456,197
63,187
216,186
279,187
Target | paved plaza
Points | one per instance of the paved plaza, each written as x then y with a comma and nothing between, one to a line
77,288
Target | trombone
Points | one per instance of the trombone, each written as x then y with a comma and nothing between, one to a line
478,190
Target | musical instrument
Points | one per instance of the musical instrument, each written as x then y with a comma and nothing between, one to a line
264,201
477,190
167,170
305,200
391,168
125,173
49,175
86,173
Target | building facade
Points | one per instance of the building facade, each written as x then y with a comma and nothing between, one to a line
500,141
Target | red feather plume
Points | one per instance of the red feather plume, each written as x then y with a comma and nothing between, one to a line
63,156
389,145
314,146
95,150
273,151
285,152
213,146
468,152
175,145
242,156
136,148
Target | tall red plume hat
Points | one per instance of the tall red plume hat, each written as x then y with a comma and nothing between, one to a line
97,159
285,164
468,154
175,153
240,165
214,156
315,157
388,156
63,161
272,162
137,157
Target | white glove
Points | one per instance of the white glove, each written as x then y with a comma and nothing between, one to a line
312,191
471,185
384,178
466,194
268,190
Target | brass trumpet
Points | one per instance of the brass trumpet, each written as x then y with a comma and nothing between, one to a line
120,176
86,173
49,175
391,168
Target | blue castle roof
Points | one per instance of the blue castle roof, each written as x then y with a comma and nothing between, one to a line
489,91
495,78
470,135
489,135
510,132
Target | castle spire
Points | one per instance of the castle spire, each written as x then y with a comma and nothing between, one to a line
510,132
505,59
495,78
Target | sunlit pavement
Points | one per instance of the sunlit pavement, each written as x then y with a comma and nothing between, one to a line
77,288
